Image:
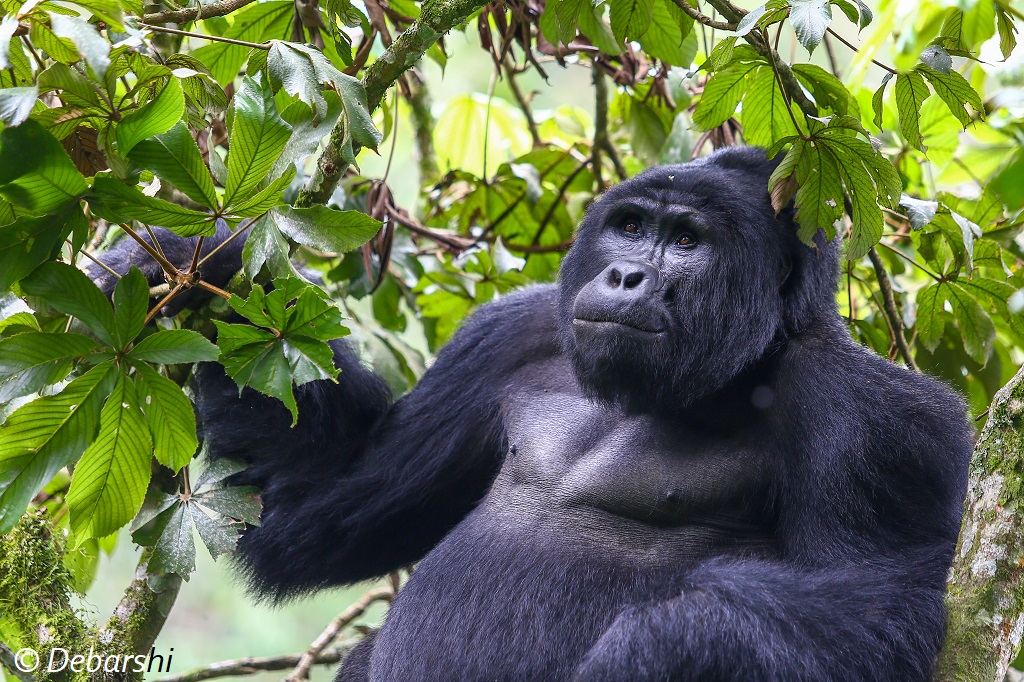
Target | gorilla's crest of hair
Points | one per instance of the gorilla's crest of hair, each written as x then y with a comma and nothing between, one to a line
761,285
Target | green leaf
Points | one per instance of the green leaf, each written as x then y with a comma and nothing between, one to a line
237,502
930,318
722,94
75,88
911,92
70,291
171,419
131,303
665,40
44,179
567,13
92,46
978,23
920,213
60,49
153,118
810,19
117,202
749,20
955,91
32,360
721,54
819,199
828,91
16,104
255,23
876,100
290,68
630,18
110,481
265,245
47,434
170,535
975,325
258,134
326,229
174,346
253,357
266,198
937,58
28,241
857,12
1007,30
175,158
1008,185
765,116
866,215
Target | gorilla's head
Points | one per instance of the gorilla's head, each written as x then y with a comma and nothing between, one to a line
683,277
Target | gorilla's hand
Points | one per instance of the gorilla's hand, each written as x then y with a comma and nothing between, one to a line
179,251
641,645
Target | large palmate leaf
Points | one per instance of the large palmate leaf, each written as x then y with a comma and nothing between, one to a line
155,117
45,435
258,134
110,481
43,179
175,158
119,203
32,360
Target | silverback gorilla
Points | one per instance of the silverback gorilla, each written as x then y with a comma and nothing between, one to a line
674,464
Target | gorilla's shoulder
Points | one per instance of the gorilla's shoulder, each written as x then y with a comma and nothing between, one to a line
523,323
853,390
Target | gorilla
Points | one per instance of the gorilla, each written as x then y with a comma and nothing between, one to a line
675,464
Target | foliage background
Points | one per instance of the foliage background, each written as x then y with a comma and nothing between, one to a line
935,279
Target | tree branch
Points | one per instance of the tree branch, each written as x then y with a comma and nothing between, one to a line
250,666
891,311
524,104
436,18
180,16
308,659
985,600
423,123
703,18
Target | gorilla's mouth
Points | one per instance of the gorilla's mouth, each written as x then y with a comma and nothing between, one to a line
602,324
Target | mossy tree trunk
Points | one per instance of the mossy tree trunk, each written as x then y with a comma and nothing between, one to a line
986,584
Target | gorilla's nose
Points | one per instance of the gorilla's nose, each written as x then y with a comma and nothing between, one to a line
634,278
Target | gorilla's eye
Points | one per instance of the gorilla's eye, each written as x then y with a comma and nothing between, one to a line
631,226
686,239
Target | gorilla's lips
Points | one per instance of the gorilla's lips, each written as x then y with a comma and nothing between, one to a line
602,323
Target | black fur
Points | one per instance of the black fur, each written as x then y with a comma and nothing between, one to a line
675,465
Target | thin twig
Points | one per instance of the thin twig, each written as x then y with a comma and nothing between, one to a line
533,248
912,261
231,41
169,269
163,301
454,243
308,659
558,199
891,310
180,16
195,256
156,242
853,47
212,289
241,229
100,263
251,666
703,18
524,104
774,59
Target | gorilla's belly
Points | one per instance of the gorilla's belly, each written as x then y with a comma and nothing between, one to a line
592,511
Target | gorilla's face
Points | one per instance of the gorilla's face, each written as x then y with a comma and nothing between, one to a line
676,282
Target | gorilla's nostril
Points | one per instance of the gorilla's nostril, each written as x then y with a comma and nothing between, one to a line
633,279
615,277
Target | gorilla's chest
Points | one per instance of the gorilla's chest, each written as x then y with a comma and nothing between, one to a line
658,490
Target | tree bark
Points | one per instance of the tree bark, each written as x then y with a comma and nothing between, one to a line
986,585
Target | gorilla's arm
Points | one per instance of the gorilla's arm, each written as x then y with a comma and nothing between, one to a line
870,496
360,486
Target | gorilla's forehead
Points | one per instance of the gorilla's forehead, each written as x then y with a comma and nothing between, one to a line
695,186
